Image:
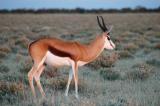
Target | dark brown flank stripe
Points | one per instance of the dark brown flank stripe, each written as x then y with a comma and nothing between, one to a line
58,52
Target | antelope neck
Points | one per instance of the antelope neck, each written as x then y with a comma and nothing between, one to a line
94,49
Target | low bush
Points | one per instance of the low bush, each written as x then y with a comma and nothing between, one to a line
153,62
157,46
147,50
22,42
4,69
25,67
5,49
118,102
51,72
3,55
125,54
140,72
109,74
10,91
60,83
104,61
131,47
122,102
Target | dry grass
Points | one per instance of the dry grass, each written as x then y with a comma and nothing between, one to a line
114,82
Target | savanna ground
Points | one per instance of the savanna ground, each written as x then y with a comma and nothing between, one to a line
126,76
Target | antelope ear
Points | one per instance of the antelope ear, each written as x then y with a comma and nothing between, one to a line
110,28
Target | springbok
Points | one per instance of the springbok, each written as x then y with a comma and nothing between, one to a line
56,52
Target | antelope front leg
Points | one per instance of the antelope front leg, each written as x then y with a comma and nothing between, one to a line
75,73
69,81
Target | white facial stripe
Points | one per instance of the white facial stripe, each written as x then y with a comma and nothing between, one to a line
109,44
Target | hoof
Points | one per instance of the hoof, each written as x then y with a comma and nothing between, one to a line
77,97
66,93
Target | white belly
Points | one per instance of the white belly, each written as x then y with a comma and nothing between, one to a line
54,60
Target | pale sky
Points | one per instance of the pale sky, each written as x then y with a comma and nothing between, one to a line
88,4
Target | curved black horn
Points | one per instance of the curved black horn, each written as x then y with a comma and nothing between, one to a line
104,26
103,29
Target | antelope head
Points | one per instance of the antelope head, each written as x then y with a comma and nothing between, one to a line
106,33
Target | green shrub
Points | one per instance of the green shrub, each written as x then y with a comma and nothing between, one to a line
60,83
104,61
108,74
4,69
10,90
25,67
131,47
2,55
153,62
5,49
125,54
120,101
140,72
147,50
51,72
22,42
157,46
